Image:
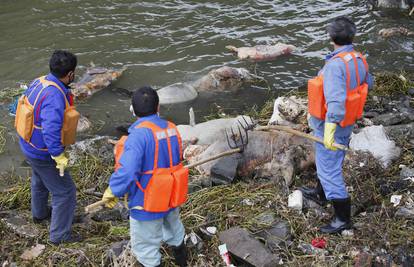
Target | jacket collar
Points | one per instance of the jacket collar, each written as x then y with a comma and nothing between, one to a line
53,78
344,48
142,119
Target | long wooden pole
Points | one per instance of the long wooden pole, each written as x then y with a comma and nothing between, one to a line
298,133
93,207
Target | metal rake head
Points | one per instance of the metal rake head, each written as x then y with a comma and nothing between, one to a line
240,138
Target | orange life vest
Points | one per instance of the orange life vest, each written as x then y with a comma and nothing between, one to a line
355,98
24,121
168,187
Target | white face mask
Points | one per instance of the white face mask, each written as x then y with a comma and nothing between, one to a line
132,110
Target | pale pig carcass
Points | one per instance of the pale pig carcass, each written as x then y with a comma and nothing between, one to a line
289,111
262,52
276,155
217,80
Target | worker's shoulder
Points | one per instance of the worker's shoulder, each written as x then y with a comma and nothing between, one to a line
53,91
335,63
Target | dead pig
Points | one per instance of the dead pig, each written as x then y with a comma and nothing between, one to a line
94,80
395,31
217,80
262,52
225,79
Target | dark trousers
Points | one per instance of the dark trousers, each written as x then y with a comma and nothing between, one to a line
45,180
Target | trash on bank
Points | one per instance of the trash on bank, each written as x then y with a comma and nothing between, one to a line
225,255
396,199
295,200
374,140
33,252
319,242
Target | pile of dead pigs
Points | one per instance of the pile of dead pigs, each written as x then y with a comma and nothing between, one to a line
248,201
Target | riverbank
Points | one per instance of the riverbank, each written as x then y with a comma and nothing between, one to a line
382,231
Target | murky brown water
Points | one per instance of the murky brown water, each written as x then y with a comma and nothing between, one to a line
164,42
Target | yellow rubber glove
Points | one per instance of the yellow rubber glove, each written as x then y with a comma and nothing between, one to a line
328,136
61,163
109,198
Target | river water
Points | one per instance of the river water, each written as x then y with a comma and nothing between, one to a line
164,42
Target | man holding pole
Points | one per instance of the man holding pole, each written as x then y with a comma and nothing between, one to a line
336,100
148,173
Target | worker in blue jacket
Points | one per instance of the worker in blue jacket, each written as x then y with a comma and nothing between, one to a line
331,185
45,152
147,229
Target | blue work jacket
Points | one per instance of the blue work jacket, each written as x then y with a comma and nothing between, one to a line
334,88
48,119
137,158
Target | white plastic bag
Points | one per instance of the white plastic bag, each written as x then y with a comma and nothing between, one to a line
374,140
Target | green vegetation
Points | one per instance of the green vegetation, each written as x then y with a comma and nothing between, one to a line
390,84
2,138
8,94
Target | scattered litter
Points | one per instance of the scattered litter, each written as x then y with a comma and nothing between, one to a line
212,230
209,231
247,202
224,253
347,233
295,200
374,140
32,253
396,199
193,240
319,242
361,164
405,212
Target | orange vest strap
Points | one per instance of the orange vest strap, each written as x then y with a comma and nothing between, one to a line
45,83
354,55
169,148
356,68
139,186
154,129
180,142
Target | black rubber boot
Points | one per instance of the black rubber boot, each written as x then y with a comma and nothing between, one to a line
180,255
342,219
74,238
316,194
42,220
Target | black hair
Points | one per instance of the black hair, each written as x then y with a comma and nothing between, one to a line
145,101
62,62
342,31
